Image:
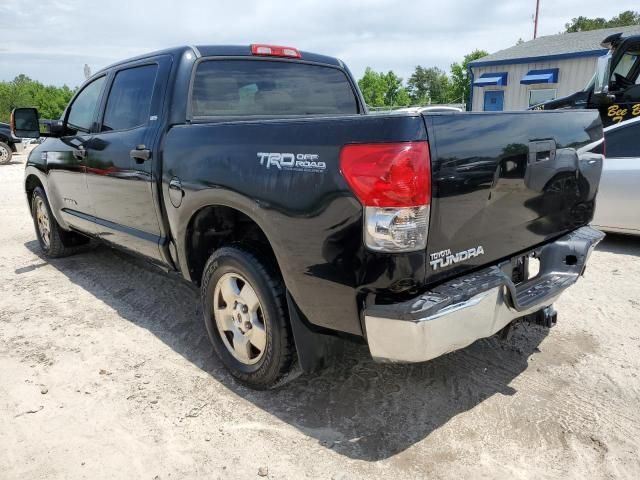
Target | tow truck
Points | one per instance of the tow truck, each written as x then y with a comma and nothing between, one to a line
614,89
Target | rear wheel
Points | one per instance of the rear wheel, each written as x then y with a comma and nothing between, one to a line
54,241
244,310
5,153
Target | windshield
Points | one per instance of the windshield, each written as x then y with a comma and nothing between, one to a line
627,67
626,63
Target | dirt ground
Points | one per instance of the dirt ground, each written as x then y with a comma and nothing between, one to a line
106,372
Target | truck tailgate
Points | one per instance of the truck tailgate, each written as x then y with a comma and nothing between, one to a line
504,183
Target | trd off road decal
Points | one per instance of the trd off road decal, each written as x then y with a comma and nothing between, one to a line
444,258
298,162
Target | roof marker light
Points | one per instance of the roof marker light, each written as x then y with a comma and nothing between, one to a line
275,51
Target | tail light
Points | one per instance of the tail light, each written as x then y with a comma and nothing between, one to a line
275,51
393,183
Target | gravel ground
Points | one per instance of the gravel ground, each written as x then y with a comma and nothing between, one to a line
106,372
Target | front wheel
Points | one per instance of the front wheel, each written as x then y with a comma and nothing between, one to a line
244,310
54,241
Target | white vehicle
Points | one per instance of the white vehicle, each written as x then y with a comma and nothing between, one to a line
618,202
440,109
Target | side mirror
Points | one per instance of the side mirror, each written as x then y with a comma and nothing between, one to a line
25,123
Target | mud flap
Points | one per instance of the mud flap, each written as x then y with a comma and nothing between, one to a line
314,348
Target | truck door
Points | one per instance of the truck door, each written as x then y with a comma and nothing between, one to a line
120,174
67,159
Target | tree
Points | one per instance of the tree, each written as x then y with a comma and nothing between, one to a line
460,80
383,89
393,87
373,88
25,92
428,85
583,24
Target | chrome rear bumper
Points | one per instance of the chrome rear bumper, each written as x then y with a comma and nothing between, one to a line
461,311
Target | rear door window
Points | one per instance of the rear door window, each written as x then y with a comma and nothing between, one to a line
259,87
129,100
622,142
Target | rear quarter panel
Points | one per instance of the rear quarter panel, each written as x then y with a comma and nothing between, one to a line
311,218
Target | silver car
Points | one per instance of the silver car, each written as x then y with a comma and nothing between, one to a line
618,200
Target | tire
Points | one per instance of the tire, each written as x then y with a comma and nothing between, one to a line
254,343
54,241
5,153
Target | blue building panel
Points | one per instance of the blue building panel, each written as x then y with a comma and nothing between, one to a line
549,75
489,79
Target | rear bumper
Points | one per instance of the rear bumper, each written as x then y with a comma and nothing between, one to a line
461,311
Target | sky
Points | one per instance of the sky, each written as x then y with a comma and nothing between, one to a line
52,41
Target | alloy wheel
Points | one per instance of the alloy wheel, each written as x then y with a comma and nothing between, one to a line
42,220
240,318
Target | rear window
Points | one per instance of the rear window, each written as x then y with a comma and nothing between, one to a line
259,87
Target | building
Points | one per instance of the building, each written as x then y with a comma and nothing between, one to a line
539,70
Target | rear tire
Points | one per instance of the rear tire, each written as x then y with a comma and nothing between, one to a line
54,241
5,153
245,313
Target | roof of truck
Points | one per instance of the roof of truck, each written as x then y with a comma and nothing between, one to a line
224,51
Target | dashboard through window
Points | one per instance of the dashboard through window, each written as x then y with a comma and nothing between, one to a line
259,87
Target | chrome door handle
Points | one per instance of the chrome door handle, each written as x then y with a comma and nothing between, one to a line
140,154
175,184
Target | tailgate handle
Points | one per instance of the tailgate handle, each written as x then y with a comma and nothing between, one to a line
542,151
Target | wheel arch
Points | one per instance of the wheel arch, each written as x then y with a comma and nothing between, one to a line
314,346
216,224
31,182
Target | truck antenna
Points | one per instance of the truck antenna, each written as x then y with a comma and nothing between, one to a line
535,20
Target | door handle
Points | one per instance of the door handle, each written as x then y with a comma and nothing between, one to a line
175,192
79,153
140,154
175,184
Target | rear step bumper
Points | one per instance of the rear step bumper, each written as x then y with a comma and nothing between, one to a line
461,311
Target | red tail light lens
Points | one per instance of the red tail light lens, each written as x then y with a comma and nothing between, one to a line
388,174
275,51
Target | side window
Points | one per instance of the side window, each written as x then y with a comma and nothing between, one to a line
623,141
129,100
83,109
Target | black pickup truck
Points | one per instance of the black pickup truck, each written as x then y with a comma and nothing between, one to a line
9,144
257,173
